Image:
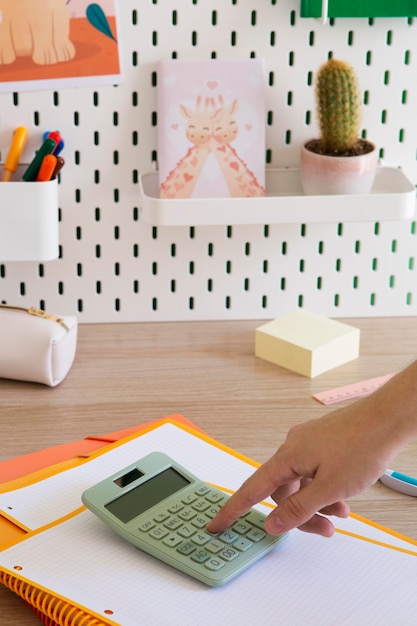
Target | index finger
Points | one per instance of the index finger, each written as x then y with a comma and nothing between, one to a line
256,488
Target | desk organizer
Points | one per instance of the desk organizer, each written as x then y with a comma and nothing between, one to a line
28,220
393,197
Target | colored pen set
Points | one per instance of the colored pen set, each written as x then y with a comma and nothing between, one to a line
46,163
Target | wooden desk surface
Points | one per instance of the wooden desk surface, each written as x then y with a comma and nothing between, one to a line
127,374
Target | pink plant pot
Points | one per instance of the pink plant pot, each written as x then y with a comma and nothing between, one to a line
324,175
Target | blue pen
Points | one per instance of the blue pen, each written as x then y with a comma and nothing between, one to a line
399,482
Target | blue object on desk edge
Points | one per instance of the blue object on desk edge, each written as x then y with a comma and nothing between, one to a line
400,482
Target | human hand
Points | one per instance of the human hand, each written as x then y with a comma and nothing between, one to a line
321,463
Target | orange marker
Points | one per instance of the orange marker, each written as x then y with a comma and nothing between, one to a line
47,168
15,152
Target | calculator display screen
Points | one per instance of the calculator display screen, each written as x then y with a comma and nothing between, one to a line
144,496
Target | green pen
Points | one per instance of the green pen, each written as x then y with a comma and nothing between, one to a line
47,147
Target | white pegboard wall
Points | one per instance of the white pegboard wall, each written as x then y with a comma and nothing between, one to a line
114,267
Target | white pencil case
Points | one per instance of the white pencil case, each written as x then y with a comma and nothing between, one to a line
36,346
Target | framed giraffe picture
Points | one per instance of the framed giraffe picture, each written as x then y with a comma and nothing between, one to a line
211,128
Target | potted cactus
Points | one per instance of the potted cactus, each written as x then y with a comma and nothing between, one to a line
340,161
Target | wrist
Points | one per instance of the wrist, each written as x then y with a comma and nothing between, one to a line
393,407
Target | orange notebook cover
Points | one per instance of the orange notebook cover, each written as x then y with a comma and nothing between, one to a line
16,472
29,463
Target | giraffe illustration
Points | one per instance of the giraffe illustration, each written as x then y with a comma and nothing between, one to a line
211,129
240,180
181,181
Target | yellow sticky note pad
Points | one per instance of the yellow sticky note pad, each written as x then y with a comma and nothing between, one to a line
307,343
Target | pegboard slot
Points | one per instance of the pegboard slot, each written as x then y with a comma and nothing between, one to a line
392,198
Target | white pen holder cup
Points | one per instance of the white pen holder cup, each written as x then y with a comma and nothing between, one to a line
28,219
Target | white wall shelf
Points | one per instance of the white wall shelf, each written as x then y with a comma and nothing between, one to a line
393,197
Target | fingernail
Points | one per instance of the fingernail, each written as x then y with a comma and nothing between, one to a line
274,526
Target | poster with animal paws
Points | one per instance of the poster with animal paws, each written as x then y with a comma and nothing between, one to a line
211,128
58,43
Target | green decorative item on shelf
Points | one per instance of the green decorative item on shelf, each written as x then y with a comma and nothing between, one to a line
360,8
338,107
339,161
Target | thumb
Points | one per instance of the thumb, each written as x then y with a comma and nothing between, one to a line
300,510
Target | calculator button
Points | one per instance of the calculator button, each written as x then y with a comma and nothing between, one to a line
186,548
201,505
161,516
147,525
187,514
214,546
199,522
229,554
186,531
228,536
159,533
242,544
176,507
256,535
200,556
200,539
202,490
191,497
173,523
256,518
214,564
214,497
172,541
241,527
212,511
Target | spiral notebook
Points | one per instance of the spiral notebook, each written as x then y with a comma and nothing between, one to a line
73,569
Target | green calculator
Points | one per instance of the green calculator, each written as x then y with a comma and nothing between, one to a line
163,509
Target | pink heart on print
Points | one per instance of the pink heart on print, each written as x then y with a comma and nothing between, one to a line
234,166
248,126
212,84
188,177
174,126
